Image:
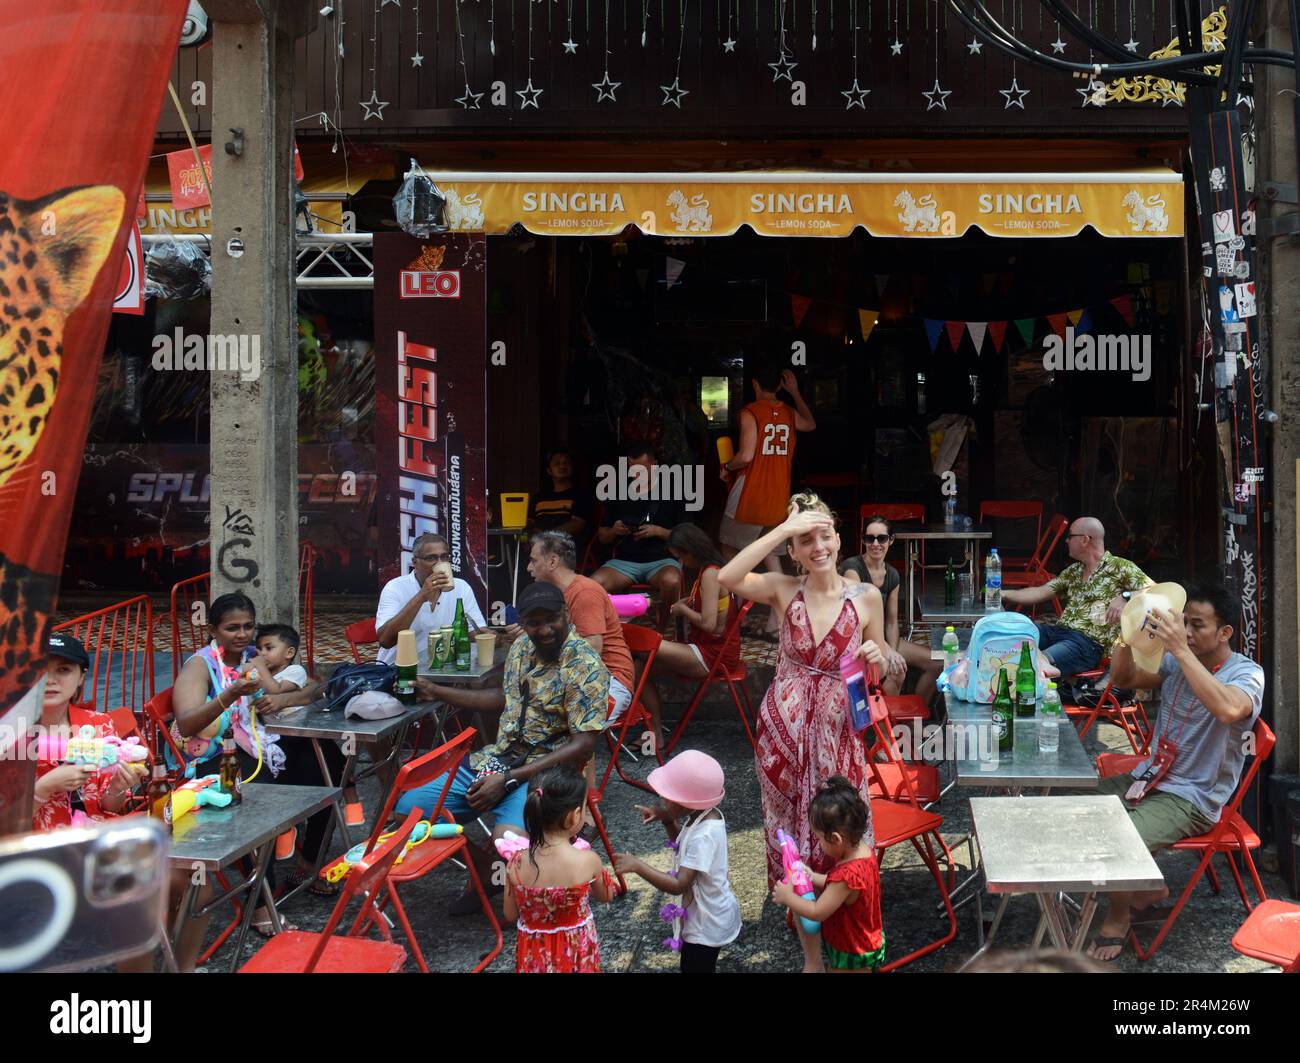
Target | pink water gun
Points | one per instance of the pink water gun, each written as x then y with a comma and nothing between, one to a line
630,605
87,748
512,843
796,874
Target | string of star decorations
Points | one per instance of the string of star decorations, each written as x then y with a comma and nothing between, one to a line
570,45
937,96
783,67
417,59
470,100
374,106
729,45
604,87
528,95
1015,95
673,93
856,95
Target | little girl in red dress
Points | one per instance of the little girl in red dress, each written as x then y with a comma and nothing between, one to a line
548,887
848,901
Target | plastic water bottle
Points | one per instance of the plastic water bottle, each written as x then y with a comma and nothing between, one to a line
951,646
950,511
993,582
1049,721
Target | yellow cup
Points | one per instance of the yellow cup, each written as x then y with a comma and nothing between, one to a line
486,644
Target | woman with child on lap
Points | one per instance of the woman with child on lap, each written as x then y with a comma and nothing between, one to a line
805,732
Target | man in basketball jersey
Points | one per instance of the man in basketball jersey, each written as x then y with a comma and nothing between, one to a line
760,491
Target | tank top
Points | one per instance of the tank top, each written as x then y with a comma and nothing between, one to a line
765,494
712,645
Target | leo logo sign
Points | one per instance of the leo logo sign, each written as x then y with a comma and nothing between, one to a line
442,284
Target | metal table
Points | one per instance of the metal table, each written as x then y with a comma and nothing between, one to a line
211,839
1048,846
935,612
512,537
1024,766
911,536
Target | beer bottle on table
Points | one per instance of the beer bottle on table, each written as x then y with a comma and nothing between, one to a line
1004,722
229,772
158,797
460,637
1026,682
950,586
408,667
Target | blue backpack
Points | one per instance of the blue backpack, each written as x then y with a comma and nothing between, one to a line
994,644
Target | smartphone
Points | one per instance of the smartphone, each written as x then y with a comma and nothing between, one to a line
83,897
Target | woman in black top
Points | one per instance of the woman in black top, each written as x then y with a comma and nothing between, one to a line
871,567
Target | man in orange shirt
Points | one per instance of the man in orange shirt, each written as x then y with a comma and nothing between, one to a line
760,491
553,559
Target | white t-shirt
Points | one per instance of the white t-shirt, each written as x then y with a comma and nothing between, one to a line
397,592
294,673
713,916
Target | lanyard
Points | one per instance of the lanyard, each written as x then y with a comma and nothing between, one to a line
1173,702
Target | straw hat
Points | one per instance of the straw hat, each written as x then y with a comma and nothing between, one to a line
1148,651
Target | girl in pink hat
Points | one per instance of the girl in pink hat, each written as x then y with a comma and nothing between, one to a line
691,786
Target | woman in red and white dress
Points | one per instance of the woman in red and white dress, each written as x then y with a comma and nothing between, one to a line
805,731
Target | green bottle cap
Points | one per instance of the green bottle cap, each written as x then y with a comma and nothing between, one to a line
1051,686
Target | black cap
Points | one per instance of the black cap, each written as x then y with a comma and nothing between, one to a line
543,597
64,645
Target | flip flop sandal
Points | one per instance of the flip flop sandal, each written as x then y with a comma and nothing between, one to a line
266,930
1103,942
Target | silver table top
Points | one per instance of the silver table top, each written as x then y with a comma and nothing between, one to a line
312,721
217,837
942,531
932,608
476,676
1024,765
1061,844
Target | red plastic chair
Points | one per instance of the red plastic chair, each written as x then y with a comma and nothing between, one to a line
428,855
188,635
903,818
1272,933
1130,717
300,952
119,642
1038,561
720,673
891,511
1232,835
1015,510
907,707
362,633
639,640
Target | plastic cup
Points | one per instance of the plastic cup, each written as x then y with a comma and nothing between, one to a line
444,571
486,644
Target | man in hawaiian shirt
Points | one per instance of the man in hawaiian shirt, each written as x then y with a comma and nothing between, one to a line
552,705
1096,587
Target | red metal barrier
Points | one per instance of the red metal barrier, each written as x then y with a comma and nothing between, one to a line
119,643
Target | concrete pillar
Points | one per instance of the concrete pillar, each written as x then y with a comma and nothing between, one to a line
254,430
1279,257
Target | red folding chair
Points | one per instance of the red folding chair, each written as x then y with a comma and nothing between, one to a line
428,855
119,642
1015,510
1129,716
1032,571
720,673
1272,933
639,640
1232,835
307,604
888,778
300,952
188,625
904,819
362,633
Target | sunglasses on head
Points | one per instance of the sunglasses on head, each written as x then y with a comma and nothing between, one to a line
876,538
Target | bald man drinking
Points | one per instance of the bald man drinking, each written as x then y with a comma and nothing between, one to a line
1095,587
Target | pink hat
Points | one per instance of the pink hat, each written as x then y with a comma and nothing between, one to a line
691,779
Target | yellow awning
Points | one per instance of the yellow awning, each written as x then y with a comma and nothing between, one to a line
1146,202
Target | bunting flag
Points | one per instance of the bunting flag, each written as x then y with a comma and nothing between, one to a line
933,329
1084,324
799,305
1025,325
673,270
998,330
1057,321
867,321
977,330
955,330
1074,316
1124,304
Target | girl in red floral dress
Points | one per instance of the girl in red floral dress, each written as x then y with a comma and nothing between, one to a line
805,732
548,888
848,899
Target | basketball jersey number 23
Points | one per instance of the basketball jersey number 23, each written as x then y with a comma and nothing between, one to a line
765,496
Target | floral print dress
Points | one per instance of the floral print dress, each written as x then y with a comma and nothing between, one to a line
556,932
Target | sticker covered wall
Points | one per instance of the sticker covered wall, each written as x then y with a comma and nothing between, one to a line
431,398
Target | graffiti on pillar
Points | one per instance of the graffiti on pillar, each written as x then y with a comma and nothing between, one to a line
232,562
1249,619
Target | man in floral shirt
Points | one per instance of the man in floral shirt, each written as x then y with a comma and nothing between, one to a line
553,702
1096,587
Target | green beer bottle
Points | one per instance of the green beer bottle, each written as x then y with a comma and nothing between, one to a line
460,637
1004,722
1026,683
950,586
